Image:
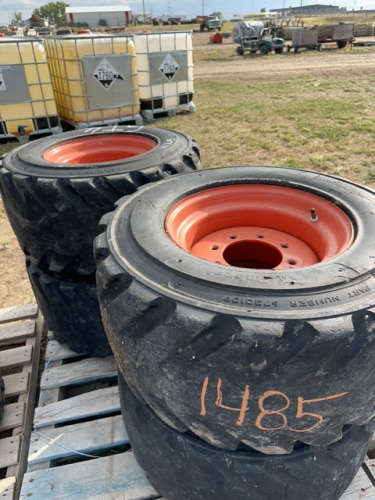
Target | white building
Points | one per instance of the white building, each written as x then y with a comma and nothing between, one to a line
115,16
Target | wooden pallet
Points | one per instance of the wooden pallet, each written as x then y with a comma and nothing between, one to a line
20,339
159,114
79,414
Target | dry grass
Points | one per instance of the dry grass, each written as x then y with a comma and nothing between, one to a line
325,124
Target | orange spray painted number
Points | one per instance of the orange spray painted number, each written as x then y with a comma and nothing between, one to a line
262,405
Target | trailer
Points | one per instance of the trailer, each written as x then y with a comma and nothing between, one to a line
305,38
341,34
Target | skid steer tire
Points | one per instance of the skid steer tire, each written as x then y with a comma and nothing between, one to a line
180,465
71,311
55,190
235,353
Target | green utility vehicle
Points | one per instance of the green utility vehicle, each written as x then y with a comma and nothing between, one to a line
253,44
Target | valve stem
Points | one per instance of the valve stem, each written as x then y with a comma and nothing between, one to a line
313,216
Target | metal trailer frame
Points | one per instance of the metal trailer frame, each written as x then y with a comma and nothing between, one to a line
342,34
305,39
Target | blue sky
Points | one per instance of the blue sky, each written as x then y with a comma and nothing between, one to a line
189,7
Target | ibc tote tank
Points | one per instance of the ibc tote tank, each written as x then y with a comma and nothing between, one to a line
165,72
27,104
95,79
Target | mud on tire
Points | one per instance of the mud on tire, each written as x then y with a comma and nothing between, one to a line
56,189
180,465
266,357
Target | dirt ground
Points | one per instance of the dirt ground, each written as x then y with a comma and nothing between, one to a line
14,285
329,61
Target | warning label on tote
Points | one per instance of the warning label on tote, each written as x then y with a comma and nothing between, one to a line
106,74
2,82
169,67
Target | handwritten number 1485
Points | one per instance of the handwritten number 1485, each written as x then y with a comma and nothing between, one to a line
302,404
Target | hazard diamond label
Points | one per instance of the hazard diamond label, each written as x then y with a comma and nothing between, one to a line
106,74
169,67
2,83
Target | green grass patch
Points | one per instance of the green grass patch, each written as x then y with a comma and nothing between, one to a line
5,148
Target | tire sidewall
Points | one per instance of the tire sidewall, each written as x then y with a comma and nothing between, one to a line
346,281
177,325
28,159
236,474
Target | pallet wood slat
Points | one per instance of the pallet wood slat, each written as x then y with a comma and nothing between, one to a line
7,487
9,448
11,358
15,384
13,416
20,346
28,399
57,352
360,488
106,478
47,397
17,331
97,402
86,437
18,313
79,372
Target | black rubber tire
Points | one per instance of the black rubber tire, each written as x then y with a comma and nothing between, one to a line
175,320
240,50
54,209
181,466
2,397
263,49
279,50
341,44
71,311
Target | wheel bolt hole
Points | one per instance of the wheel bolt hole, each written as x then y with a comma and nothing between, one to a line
292,262
260,235
214,247
284,245
233,236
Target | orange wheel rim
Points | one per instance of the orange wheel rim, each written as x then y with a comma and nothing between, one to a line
260,227
99,149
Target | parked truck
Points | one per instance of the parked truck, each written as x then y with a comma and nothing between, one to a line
209,23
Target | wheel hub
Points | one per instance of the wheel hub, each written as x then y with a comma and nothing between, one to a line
260,227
